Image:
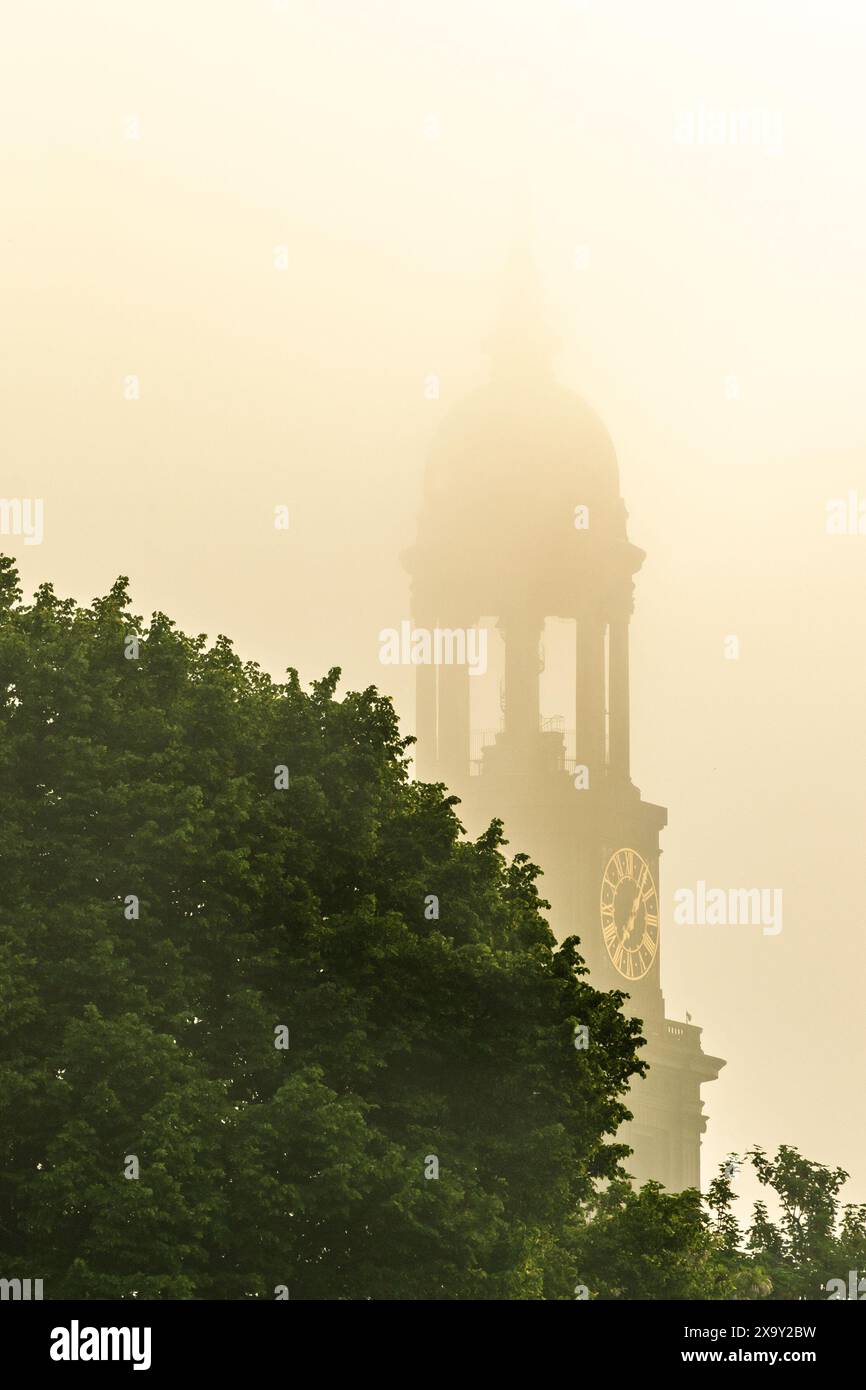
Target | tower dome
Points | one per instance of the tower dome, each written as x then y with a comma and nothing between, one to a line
522,482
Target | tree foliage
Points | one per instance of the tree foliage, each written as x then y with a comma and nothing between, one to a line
145,1029
170,910
652,1244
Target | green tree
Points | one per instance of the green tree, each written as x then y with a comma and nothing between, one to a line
814,1240
651,1244
168,905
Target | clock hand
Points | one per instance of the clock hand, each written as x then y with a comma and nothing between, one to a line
629,926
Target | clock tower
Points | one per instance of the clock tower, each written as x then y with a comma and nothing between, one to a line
521,522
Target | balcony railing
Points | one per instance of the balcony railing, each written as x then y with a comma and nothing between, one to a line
479,739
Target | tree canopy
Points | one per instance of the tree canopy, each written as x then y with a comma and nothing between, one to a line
652,1244
268,1019
270,1024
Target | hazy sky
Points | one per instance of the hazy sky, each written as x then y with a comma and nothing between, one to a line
690,178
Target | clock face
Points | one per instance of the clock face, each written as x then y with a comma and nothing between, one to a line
630,913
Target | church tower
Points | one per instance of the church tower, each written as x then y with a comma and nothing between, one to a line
522,521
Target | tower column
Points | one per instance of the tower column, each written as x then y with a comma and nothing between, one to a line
619,702
425,720
590,714
453,732
522,709
425,707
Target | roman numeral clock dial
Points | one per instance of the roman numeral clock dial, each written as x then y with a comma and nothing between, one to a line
630,913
